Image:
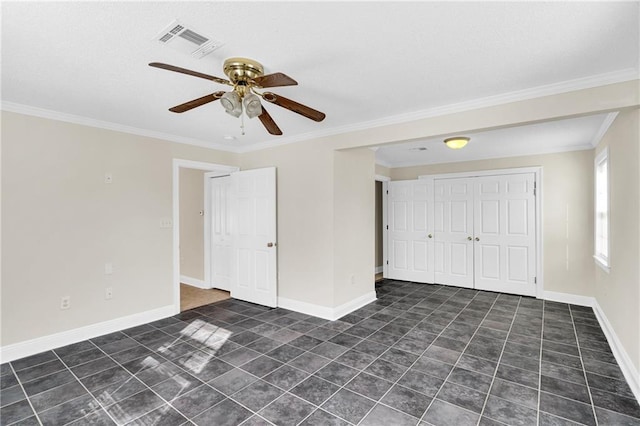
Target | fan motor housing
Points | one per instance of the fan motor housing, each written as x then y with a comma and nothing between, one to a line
242,69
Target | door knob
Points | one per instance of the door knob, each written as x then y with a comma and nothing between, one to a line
477,239
469,238
270,244
430,236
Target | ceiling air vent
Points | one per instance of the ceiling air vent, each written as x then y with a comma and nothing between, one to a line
187,40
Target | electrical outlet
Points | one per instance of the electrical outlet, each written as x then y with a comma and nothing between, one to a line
65,302
353,279
108,293
108,268
108,178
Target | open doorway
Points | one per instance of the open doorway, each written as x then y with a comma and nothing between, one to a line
193,287
380,219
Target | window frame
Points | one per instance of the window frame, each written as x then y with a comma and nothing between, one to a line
602,260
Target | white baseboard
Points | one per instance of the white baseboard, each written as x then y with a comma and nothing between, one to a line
352,305
624,361
622,357
379,269
53,341
569,298
326,312
306,308
194,282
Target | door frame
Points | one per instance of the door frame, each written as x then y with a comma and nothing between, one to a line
178,163
385,189
537,171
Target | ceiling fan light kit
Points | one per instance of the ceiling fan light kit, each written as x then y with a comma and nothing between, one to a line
245,76
457,142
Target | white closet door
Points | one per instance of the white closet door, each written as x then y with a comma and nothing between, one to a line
505,238
220,233
410,219
254,261
453,226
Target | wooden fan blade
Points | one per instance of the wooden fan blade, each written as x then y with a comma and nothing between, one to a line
189,72
268,123
197,102
294,106
277,79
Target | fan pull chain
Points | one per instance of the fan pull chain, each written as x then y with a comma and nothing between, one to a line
242,124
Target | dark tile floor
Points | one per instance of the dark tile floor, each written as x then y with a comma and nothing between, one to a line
421,354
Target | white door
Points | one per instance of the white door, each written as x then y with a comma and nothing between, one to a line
453,231
504,239
410,222
254,261
220,232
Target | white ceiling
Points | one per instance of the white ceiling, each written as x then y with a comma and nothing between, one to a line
359,62
542,138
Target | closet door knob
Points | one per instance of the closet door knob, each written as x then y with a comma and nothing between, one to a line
477,239
430,236
469,238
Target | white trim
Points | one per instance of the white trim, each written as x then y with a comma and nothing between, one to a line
603,128
379,269
573,299
489,101
355,304
629,370
385,230
600,260
622,357
504,98
323,312
602,264
57,340
381,178
107,125
537,171
194,282
326,312
384,163
176,165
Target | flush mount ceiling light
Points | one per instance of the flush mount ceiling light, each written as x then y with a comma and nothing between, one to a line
457,142
245,76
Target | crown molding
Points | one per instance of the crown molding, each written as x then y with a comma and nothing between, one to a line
608,121
520,95
614,77
107,125
384,163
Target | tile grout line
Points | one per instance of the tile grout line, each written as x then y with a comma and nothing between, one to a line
495,373
421,355
374,360
540,364
461,353
584,371
26,396
379,401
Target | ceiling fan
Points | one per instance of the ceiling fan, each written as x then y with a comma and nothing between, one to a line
246,76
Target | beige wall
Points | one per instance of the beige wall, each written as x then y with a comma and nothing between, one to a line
567,203
61,223
353,223
382,170
191,223
618,292
305,218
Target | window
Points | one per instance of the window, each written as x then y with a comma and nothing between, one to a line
602,210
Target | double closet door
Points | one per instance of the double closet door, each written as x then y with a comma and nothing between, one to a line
475,232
